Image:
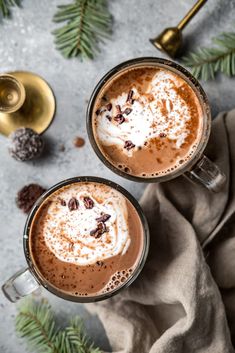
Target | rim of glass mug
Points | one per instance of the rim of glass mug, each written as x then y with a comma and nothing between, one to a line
46,284
193,83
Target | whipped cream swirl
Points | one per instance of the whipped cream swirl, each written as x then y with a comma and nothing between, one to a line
160,111
69,233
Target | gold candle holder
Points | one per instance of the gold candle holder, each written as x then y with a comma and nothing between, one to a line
170,40
26,100
12,94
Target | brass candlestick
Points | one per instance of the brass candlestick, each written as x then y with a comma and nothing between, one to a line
170,40
26,100
12,94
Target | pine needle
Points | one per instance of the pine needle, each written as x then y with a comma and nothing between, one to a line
87,22
205,63
36,323
5,6
77,338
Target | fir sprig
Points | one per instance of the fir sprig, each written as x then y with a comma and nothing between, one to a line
36,323
205,63
5,6
87,23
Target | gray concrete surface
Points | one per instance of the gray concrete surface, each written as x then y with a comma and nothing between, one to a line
26,43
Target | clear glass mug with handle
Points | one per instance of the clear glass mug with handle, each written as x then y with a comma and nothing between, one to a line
198,168
27,280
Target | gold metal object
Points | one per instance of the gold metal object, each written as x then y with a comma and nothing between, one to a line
26,100
170,40
12,94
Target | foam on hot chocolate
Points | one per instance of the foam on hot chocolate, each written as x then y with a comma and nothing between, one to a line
86,239
166,113
68,233
149,110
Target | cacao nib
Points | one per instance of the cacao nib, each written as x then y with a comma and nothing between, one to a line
127,111
119,119
98,111
129,96
104,98
162,134
78,142
88,202
129,145
71,246
109,106
118,109
62,202
101,228
108,117
73,204
99,263
103,218
93,232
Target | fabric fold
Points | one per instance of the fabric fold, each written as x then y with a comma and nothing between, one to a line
177,304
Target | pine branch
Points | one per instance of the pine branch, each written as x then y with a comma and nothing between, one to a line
87,23
5,6
79,341
205,63
36,323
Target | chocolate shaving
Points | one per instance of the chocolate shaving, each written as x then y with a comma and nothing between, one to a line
73,204
109,106
127,111
88,202
129,145
129,97
103,218
119,119
101,228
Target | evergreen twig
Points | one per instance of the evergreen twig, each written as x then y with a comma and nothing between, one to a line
36,323
205,63
5,6
77,338
87,22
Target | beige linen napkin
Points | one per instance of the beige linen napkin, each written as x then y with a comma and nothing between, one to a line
175,305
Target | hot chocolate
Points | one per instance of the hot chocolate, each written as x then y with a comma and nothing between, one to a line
147,121
86,239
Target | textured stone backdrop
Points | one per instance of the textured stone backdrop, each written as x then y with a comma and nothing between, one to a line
26,43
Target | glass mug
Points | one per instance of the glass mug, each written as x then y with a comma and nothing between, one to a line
198,168
29,279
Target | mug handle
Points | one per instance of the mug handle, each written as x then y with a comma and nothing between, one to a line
19,285
207,173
